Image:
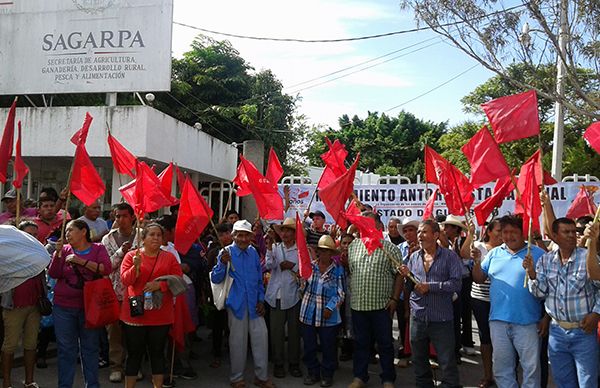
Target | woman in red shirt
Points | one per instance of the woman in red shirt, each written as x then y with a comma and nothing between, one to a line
147,332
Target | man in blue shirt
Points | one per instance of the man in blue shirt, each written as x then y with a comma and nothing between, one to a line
245,306
515,313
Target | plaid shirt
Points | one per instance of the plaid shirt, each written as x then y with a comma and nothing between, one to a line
323,291
373,276
570,294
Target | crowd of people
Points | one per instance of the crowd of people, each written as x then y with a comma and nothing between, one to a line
536,303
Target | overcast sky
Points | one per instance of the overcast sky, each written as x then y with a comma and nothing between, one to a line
376,89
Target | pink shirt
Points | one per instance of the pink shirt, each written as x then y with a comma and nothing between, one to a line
67,292
25,213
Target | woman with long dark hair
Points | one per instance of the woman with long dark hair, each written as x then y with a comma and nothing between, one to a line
73,264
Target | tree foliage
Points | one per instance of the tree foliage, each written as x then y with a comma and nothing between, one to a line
578,158
492,35
386,144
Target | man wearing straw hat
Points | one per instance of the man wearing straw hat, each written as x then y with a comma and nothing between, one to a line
452,228
283,298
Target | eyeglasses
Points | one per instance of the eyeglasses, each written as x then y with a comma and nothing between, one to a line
580,230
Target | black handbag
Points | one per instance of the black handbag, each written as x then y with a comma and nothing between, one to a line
136,305
44,304
136,302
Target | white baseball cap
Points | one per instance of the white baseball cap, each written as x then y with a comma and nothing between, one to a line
242,226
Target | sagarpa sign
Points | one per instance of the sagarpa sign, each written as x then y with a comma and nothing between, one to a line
408,200
77,46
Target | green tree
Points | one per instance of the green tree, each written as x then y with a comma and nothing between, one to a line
383,142
578,158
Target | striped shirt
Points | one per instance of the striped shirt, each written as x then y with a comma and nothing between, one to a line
444,279
570,294
481,291
373,276
323,291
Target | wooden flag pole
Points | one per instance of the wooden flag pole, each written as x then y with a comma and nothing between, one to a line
18,212
310,203
67,202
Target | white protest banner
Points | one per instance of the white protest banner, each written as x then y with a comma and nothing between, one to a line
408,200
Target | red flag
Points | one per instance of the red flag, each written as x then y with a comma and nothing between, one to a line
182,324
304,265
145,193
369,234
241,181
513,117
502,189
334,160
536,158
80,136
267,198
180,178
166,182
335,195
123,160
274,169
592,135
353,208
194,215
583,203
453,184
486,159
530,206
86,183
20,167
428,212
8,138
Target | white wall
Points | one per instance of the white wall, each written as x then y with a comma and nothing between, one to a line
143,130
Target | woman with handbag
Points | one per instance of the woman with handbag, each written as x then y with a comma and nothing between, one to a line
147,312
72,265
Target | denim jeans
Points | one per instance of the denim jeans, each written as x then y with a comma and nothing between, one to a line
439,334
327,339
368,326
573,357
73,339
508,340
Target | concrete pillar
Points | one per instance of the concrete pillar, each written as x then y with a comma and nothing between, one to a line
118,180
254,151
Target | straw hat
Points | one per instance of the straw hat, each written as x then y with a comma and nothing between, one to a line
456,221
326,242
409,221
289,223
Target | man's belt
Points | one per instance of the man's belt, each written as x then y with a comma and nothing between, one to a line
566,324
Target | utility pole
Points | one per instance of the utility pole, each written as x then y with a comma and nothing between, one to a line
559,110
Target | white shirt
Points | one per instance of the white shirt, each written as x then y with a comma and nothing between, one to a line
283,285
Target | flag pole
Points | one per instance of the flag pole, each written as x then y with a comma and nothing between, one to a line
67,202
310,203
18,213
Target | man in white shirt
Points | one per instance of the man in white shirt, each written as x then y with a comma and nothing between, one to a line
91,216
283,298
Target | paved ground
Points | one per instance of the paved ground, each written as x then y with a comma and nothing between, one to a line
470,373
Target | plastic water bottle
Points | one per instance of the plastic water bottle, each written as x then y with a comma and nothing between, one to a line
148,300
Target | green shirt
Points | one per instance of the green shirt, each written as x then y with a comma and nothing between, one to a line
372,281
